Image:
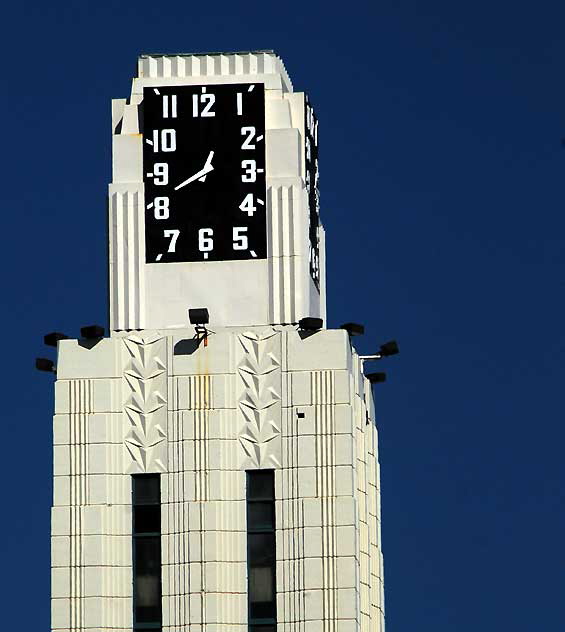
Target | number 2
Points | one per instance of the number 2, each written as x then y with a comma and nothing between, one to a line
250,133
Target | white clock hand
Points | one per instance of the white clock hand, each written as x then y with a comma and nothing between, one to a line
207,166
208,163
200,174
197,176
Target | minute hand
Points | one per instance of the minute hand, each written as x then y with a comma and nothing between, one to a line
207,168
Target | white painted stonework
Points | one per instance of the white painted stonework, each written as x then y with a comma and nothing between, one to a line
259,395
276,290
146,403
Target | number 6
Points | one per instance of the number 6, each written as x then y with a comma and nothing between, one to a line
205,241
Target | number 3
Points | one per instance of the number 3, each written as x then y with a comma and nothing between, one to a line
250,174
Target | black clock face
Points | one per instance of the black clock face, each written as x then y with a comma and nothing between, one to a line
204,173
311,151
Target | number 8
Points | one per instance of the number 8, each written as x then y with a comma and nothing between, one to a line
161,207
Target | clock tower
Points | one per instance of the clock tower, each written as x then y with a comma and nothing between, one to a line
214,199
216,457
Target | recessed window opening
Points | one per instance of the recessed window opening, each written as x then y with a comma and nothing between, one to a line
146,493
261,551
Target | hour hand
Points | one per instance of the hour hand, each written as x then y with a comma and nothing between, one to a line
199,175
207,167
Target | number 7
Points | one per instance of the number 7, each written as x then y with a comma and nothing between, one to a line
174,235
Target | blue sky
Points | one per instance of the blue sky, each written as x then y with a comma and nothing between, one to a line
441,177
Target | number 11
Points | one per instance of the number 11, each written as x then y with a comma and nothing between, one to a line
172,108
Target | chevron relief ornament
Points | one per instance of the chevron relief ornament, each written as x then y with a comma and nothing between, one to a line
145,385
259,381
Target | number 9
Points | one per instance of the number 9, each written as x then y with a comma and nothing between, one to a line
161,173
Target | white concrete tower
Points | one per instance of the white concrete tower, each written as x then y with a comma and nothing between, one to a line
223,477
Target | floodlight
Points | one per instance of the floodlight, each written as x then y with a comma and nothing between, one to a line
92,332
53,338
375,378
353,329
310,324
389,348
44,364
198,316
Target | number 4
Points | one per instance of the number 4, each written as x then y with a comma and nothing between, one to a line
247,206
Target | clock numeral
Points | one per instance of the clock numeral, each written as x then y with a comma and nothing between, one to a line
173,235
161,207
250,133
312,123
248,204
198,100
239,99
160,173
166,140
205,241
251,171
314,264
170,107
240,241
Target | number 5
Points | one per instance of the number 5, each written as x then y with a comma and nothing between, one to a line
240,241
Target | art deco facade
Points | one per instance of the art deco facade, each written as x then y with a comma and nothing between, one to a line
219,482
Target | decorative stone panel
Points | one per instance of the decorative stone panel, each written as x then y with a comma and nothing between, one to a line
259,403
145,385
